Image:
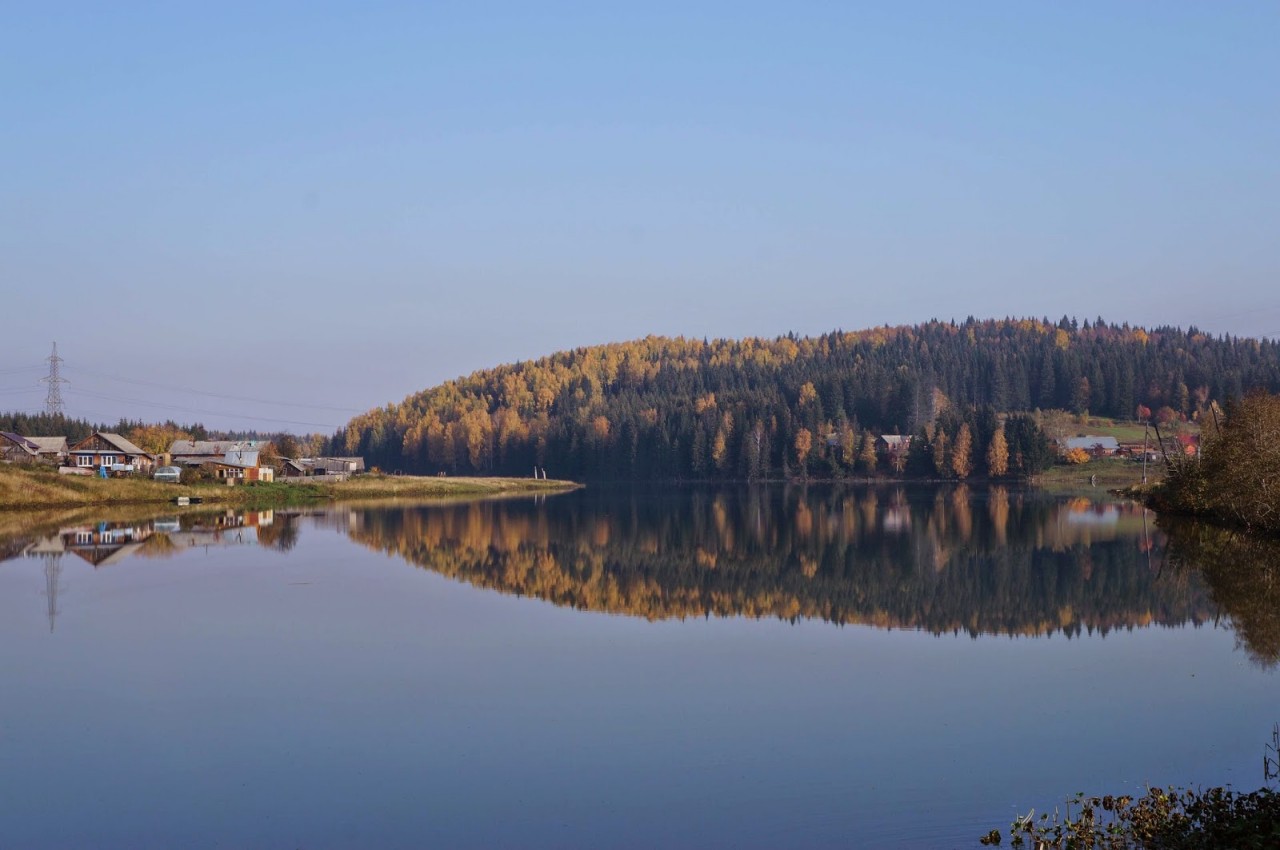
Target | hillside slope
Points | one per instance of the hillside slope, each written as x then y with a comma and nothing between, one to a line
754,408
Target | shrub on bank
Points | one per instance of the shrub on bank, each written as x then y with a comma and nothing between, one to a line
1236,478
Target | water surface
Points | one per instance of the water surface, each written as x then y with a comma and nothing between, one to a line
755,668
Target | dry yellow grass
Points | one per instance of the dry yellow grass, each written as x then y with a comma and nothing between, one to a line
22,489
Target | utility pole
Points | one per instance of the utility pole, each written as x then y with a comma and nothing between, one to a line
1145,432
53,401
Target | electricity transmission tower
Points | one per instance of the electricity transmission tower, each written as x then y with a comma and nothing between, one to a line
53,401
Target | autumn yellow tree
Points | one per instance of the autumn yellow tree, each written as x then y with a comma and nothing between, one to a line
998,454
720,446
868,459
962,452
156,439
940,452
848,444
804,444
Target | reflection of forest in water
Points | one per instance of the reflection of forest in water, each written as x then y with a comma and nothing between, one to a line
944,560
1243,574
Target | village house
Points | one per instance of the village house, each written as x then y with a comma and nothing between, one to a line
198,452
1096,446
337,467
111,451
15,448
894,447
51,448
234,460
241,464
294,469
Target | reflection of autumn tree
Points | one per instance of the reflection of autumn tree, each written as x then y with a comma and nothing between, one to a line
962,453
998,506
890,558
1243,575
998,454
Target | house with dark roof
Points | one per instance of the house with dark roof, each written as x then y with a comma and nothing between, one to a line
196,452
112,451
14,448
895,448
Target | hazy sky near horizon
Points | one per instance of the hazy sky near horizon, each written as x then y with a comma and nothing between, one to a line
227,212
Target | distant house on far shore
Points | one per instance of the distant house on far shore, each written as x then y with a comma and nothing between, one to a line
1097,446
894,447
337,467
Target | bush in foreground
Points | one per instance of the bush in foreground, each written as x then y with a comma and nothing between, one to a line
1164,818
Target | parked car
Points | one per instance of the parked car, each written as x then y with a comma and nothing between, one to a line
168,473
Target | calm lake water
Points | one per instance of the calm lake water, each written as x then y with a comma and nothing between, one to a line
764,667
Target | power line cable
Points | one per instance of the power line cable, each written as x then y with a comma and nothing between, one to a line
199,411
227,396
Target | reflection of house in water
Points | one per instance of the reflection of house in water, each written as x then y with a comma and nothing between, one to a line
1094,515
344,520
105,543
223,529
897,517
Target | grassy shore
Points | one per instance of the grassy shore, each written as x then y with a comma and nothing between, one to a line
24,489
1112,473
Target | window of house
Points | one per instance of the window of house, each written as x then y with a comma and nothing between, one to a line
108,460
84,460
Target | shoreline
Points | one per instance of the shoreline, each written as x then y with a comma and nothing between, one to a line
23,489
26,490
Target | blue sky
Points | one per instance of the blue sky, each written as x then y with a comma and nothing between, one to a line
335,205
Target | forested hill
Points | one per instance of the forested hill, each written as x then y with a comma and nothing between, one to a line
752,408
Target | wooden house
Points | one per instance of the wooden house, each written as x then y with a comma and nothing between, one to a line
15,448
242,465
51,448
895,448
197,452
112,451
